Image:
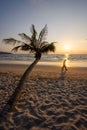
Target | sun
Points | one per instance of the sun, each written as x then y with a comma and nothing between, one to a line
67,47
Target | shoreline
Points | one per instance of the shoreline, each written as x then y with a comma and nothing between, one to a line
47,63
50,71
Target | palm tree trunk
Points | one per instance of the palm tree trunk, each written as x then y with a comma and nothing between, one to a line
21,82
13,99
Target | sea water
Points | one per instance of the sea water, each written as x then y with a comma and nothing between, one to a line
73,60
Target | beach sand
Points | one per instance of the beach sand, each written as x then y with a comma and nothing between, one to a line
49,100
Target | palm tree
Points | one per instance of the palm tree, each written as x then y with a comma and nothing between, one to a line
35,44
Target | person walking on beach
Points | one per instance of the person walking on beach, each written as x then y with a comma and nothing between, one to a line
64,65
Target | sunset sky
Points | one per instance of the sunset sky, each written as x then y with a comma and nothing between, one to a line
66,21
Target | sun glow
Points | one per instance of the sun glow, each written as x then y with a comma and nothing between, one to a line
67,47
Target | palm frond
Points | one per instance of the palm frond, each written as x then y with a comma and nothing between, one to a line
48,48
25,37
33,31
10,41
43,44
16,48
43,34
26,47
33,37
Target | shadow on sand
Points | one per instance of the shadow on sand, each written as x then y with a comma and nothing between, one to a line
63,74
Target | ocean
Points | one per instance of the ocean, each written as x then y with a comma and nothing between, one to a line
73,60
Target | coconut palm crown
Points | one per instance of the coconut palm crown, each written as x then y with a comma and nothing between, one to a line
35,44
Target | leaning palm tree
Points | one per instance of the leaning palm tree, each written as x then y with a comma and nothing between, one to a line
34,44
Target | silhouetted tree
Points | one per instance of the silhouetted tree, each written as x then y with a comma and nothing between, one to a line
34,44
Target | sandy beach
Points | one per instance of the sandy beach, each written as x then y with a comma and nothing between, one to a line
49,100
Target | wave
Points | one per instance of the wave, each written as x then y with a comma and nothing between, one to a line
51,58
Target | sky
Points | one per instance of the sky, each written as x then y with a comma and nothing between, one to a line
66,21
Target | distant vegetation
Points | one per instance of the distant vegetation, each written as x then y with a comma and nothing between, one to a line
4,52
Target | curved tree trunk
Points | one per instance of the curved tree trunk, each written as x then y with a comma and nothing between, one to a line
13,99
